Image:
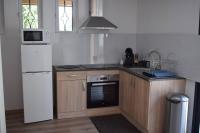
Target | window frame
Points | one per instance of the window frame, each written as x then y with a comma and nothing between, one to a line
74,17
40,13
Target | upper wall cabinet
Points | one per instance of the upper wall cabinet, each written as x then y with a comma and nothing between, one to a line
1,17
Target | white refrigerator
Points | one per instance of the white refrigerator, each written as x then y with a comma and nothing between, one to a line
37,82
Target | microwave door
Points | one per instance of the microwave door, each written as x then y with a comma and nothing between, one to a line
33,36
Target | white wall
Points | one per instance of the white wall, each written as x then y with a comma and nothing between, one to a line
123,13
11,57
168,16
1,17
68,48
182,48
71,49
171,26
2,108
115,46
76,50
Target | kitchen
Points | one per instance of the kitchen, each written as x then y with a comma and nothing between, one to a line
171,27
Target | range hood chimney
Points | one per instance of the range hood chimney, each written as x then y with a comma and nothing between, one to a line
96,21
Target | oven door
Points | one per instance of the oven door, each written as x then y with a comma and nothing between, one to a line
102,94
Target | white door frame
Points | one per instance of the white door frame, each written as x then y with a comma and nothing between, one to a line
2,107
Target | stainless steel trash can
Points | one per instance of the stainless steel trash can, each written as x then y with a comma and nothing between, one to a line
177,111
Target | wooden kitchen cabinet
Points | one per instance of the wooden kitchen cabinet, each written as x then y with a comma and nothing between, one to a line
125,92
157,102
71,94
140,99
143,102
134,96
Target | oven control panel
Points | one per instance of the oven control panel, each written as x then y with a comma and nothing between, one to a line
103,78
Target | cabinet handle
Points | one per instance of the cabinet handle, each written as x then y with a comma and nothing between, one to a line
73,75
84,85
131,82
134,83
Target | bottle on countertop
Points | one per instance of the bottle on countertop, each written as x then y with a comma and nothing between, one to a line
121,62
136,59
141,61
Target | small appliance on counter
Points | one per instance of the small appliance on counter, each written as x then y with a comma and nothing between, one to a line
136,59
144,63
129,58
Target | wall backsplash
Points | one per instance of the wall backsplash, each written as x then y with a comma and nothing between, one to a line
75,48
183,48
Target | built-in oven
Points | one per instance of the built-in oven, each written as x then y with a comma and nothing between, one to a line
102,91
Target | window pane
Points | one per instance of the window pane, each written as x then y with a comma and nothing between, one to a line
30,14
65,11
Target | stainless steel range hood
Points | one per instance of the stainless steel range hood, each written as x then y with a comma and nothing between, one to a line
96,21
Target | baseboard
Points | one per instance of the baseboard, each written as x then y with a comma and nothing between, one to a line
103,111
14,111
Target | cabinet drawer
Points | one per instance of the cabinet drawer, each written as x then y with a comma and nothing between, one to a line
102,72
71,75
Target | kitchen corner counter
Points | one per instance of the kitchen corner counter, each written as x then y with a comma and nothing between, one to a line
135,70
142,100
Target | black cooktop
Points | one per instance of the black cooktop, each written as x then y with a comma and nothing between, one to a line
100,66
69,67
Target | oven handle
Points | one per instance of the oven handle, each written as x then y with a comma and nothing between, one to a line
100,84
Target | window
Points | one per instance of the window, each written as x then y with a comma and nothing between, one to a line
65,15
30,14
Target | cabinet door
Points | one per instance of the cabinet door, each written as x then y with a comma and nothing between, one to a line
140,101
125,92
159,89
71,96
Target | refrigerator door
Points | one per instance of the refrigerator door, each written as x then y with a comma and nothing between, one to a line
36,58
38,96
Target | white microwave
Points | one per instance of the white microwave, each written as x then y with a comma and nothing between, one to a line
35,36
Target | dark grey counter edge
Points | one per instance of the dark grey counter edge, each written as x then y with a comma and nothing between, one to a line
118,68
